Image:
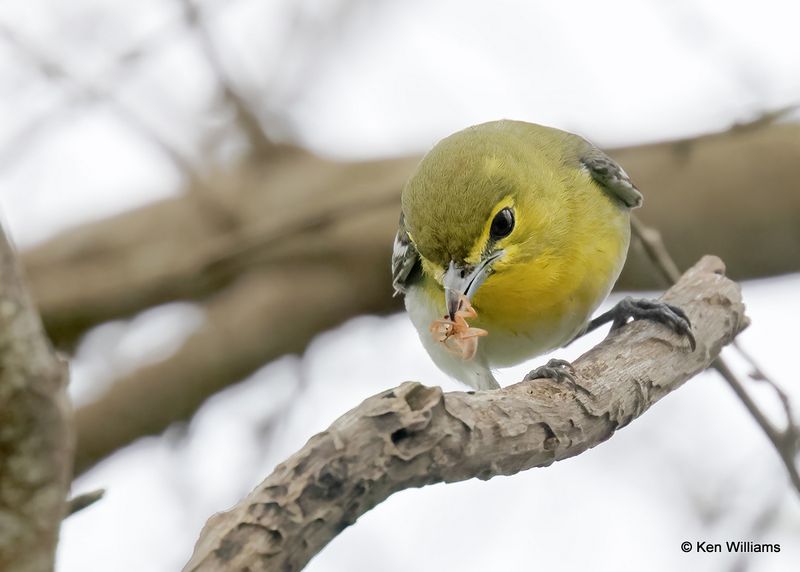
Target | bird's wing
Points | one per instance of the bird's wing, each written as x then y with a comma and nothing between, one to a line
405,260
609,175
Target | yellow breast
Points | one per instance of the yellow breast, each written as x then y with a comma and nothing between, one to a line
549,295
569,247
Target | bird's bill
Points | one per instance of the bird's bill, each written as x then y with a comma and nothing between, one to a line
464,280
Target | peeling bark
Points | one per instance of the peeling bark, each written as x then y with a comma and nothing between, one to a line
414,435
36,445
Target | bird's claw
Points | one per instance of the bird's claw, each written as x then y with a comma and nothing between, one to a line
656,311
559,370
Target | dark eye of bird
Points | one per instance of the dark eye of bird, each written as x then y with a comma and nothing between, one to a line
503,224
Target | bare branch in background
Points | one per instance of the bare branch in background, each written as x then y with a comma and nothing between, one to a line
246,116
259,316
82,501
413,435
653,245
123,66
767,118
215,210
307,43
785,441
36,437
50,67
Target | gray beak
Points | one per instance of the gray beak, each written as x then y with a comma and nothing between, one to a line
465,280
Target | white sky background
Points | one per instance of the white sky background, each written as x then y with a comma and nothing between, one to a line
393,77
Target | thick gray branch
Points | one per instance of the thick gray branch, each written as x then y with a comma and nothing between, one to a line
36,445
414,435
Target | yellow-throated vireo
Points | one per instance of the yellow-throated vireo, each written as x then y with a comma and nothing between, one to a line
523,230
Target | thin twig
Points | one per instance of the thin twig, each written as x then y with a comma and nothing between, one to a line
51,68
654,248
246,116
121,67
766,118
758,374
785,441
81,501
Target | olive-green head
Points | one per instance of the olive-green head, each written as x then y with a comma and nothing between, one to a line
513,205
467,177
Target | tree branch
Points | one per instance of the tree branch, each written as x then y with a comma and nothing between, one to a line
85,500
36,441
246,116
413,435
786,441
51,67
258,316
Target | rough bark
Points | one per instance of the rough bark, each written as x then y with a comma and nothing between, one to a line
256,241
413,435
36,445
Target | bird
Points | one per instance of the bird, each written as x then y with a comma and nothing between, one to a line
523,230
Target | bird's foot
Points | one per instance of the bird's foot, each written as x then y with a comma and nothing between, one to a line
653,310
558,370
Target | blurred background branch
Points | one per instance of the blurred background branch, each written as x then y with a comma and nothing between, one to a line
84,500
786,441
245,114
52,69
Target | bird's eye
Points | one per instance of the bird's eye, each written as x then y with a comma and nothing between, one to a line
502,224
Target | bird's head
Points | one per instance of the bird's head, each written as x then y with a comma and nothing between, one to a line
473,207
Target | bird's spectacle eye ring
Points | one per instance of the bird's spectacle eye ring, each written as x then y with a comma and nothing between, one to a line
502,224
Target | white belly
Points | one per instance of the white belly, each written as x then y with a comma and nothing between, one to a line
502,347
475,372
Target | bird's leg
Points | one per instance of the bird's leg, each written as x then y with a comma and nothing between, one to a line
642,309
627,309
558,370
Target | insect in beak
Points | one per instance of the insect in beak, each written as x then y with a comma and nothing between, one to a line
464,280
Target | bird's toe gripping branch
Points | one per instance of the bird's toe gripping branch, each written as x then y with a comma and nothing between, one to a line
558,370
642,309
